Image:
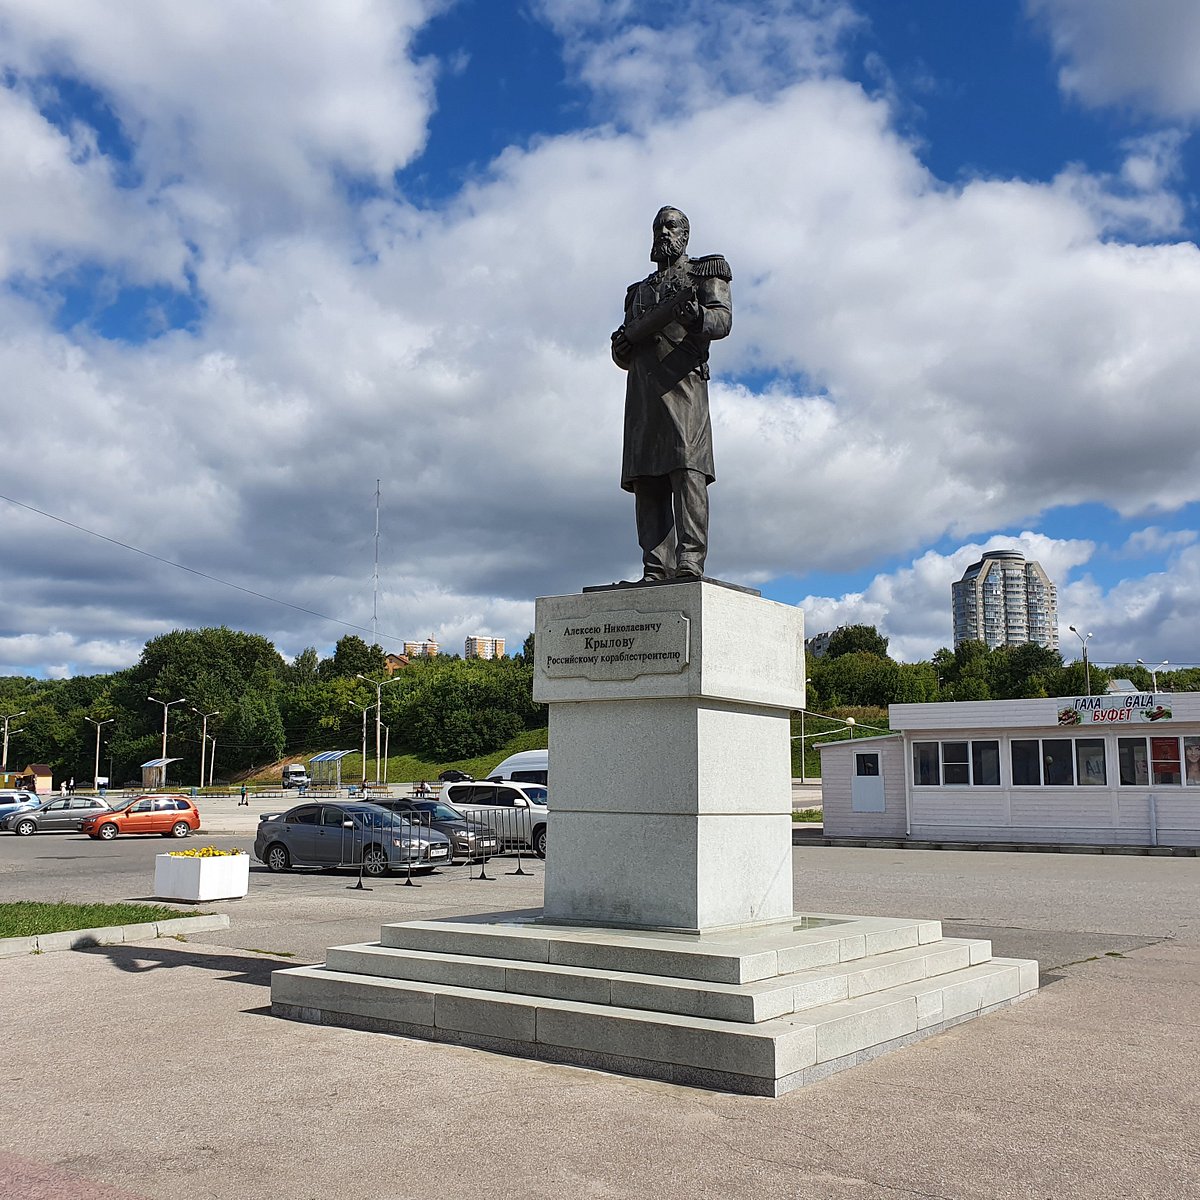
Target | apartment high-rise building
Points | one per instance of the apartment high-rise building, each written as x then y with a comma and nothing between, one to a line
1003,600
425,649
484,647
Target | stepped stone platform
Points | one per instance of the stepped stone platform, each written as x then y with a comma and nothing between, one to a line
759,1010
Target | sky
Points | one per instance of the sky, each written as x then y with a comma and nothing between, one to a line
256,255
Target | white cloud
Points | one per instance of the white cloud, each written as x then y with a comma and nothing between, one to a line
911,605
1154,540
909,360
648,60
1117,52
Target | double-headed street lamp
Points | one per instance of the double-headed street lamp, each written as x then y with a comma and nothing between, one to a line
364,709
378,685
1153,671
1087,674
96,770
166,708
10,717
204,740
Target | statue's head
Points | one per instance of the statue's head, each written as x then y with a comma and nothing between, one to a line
671,230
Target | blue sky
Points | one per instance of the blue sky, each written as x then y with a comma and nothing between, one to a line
251,266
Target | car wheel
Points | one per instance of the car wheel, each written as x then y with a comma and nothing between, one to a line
25,828
277,858
539,842
107,831
180,829
375,861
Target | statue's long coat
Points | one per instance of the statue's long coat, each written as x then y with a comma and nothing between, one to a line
666,393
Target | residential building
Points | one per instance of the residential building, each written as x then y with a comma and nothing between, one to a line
479,646
1003,600
426,649
817,646
394,662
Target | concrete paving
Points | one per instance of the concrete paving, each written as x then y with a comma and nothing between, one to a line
153,1071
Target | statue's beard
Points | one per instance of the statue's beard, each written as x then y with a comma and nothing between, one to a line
667,249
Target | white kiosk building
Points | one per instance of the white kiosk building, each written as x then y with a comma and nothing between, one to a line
1121,769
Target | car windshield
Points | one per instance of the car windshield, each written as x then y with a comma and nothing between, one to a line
375,817
536,794
438,811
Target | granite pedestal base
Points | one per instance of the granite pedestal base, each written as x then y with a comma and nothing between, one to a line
670,755
762,1010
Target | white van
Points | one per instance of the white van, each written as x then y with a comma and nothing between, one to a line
529,766
295,775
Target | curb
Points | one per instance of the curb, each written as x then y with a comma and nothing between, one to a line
1014,847
82,939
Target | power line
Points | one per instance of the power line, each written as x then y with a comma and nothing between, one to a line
193,571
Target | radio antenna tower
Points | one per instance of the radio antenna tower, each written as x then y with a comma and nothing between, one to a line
375,590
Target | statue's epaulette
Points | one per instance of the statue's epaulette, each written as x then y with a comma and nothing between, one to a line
711,266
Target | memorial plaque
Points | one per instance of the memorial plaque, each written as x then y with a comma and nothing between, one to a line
615,645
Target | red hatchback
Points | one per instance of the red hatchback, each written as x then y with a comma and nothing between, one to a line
168,815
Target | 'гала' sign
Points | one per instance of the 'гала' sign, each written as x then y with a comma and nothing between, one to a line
1124,708
615,645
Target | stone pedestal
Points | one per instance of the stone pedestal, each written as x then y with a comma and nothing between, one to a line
670,753
667,947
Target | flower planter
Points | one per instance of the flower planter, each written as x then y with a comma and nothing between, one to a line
201,879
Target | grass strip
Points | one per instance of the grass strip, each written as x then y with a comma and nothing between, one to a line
27,918
808,815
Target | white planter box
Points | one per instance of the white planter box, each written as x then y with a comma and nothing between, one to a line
199,879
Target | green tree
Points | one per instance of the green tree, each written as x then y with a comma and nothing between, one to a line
352,656
857,639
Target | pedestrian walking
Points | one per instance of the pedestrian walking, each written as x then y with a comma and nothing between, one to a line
244,800
71,787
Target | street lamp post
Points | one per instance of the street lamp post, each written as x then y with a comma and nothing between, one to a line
378,685
166,708
1087,674
850,723
96,771
10,717
803,743
387,733
364,708
1153,671
204,741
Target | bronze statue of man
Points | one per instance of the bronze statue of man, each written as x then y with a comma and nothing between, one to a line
671,316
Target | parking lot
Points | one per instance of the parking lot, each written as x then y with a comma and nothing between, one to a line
193,1090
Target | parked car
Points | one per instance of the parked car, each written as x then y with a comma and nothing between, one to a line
347,834
163,813
65,815
468,839
454,775
15,800
526,766
515,812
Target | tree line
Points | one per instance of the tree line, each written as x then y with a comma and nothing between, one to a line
261,708
857,670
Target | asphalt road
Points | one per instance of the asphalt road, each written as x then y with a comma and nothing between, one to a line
188,1088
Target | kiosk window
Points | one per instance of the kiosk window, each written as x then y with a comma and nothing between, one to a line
985,764
926,772
1026,763
866,764
1089,762
1132,762
956,764
1164,759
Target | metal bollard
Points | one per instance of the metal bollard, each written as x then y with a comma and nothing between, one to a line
519,839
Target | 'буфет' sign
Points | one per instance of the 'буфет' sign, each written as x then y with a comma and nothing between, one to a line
1124,708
